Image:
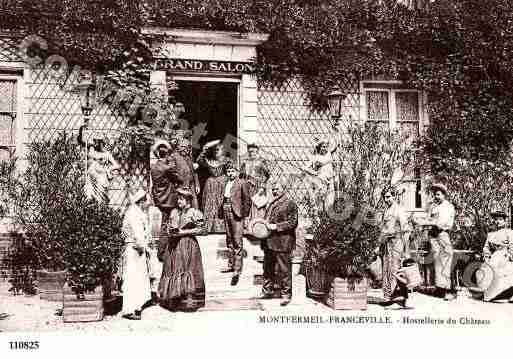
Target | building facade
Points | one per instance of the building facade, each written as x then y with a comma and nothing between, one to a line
213,71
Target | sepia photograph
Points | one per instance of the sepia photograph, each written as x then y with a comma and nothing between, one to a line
234,166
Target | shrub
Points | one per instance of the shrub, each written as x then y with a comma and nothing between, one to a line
345,231
343,249
53,178
93,243
65,230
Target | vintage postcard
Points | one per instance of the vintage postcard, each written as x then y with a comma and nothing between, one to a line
184,167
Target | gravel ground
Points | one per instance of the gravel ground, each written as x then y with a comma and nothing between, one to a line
236,307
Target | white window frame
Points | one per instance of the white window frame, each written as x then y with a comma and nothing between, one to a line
375,86
19,72
17,125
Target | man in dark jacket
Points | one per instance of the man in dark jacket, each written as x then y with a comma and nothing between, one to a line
236,207
184,170
163,176
282,218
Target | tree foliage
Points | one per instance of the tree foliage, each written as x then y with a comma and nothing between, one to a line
458,51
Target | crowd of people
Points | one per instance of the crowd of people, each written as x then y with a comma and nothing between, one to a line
233,200
495,277
230,202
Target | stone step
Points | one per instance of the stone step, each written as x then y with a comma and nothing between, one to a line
218,289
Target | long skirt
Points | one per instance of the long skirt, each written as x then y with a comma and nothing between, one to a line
136,280
213,193
392,252
442,252
182,284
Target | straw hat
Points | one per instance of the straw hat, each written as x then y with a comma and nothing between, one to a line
439,187
212,143
258,228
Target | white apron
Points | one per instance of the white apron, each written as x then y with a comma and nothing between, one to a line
136,278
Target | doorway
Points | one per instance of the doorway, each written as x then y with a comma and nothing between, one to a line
212,103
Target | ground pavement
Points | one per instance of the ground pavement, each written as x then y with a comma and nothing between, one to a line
238,307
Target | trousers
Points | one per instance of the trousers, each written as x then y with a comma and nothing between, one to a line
277,270
234,231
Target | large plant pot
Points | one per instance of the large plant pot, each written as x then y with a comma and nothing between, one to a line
348,294
317,281
50,284
87,307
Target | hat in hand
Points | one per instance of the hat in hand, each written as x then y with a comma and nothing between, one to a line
258,228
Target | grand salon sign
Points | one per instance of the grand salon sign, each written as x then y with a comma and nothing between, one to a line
166,64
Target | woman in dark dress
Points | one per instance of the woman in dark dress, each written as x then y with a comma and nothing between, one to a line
182,284
212,159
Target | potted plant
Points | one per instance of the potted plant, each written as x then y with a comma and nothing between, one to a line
349,249
345,230
51,176
92,250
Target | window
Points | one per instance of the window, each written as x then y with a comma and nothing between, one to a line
389,104
8,110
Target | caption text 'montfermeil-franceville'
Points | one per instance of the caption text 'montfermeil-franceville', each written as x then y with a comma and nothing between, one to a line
368,320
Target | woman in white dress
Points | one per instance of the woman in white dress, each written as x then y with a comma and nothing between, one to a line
135,266
100,168
321,168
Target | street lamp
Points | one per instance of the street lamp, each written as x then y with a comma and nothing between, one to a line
86,89
87,92
335,99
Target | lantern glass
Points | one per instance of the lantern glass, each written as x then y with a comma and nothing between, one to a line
335,99
87,93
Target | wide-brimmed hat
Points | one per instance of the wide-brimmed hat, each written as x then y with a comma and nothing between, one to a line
212,143
258,228
438,187
185,191
158,144
252,145
137,195
498,214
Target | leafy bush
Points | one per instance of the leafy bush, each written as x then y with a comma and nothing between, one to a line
52,179
93,243
345,232
65,230
343,249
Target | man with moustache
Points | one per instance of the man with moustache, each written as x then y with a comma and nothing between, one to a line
282,220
